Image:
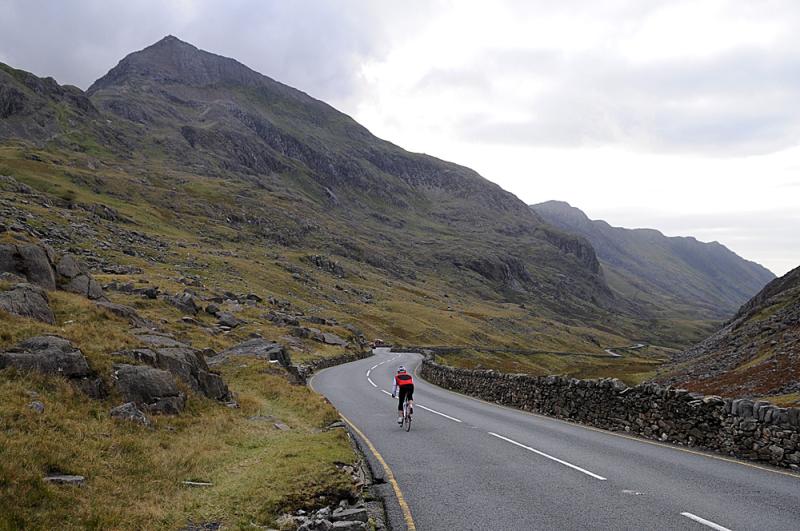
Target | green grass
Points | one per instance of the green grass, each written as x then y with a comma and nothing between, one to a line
134,474
632,368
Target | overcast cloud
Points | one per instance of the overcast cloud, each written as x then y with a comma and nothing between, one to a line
676,115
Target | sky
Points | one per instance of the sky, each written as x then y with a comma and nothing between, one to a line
677,115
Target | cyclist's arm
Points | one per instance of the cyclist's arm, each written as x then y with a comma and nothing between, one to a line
395,387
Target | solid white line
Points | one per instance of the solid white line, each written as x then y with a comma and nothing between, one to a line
371,382
438,413
557,460
705,522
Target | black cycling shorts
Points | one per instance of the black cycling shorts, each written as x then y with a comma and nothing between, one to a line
405,391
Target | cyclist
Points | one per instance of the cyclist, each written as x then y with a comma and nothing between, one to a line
404,383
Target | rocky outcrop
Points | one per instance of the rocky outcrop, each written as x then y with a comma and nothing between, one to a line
27,300
185,302
260,348
54,355
326,264
506,271
318,335
40,265
149,388
31,261
73,276
742,428
185,363
125,312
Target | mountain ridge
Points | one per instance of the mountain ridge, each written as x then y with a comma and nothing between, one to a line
671,270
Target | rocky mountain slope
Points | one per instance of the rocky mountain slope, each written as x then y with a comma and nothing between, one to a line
180,147
757,353
677,275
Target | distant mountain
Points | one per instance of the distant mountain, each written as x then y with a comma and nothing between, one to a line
757,353
677,276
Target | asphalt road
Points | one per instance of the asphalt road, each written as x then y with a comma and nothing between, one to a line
468,464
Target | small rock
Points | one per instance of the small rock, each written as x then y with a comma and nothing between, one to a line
261,418
37,406
197,483
350,515
348,526
281,426
65,479
229,320
130,412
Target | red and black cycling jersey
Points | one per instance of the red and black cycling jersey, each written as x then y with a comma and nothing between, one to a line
403,379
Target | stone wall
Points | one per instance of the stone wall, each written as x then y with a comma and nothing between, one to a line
742,428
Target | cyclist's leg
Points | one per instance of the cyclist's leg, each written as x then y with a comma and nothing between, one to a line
401,396
410,398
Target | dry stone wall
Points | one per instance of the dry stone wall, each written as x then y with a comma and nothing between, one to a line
742,428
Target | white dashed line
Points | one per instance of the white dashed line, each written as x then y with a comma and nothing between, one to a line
705,522
437,412
371,382
557,460
384,391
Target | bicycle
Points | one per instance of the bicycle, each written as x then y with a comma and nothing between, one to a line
406,425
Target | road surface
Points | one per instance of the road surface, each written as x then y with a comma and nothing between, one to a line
468,464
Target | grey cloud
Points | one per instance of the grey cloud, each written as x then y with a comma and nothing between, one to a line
736,103
317,46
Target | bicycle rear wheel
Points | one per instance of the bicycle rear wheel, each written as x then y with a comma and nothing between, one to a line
406,417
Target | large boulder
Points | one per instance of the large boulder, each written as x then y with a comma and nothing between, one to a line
27,300
39,265
187,364
332,339
258,347
48,355
34,262
149,388
185,302
74,277
55,356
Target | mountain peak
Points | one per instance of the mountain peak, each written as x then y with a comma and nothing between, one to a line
173,61
560,209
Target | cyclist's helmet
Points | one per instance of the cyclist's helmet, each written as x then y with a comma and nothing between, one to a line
401,369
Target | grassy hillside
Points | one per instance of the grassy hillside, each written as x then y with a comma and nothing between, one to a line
134,474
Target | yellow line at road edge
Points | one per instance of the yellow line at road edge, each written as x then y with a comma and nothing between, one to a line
389,476
387,470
